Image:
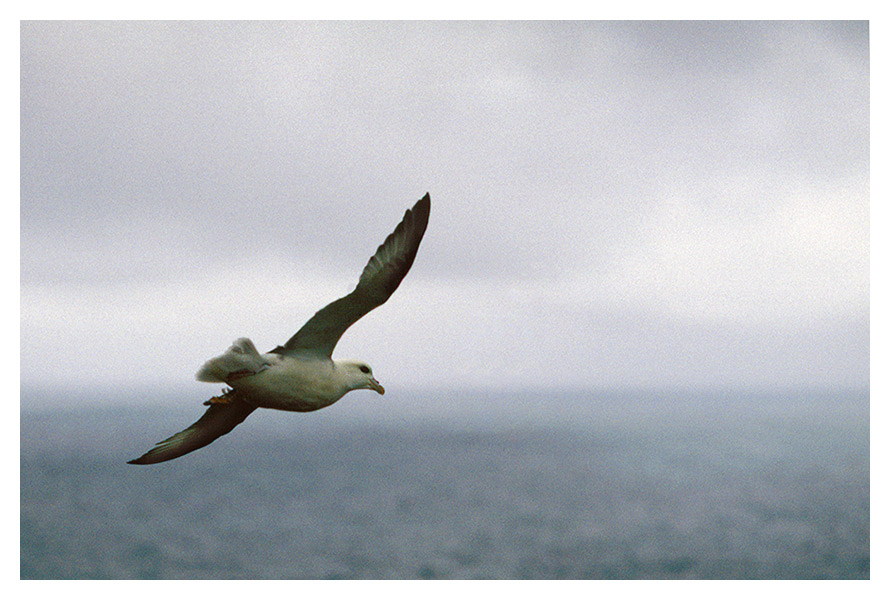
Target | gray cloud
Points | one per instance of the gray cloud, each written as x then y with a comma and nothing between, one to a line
663,186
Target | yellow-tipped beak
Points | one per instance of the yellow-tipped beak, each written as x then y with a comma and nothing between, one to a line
375,385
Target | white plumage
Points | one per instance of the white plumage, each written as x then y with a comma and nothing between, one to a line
242,356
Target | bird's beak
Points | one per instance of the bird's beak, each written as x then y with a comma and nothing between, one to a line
375,385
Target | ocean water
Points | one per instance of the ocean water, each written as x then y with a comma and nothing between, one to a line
583,485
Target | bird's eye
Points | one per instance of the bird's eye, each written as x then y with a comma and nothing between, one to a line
364,369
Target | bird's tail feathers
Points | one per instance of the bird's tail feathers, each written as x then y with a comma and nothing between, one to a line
242,358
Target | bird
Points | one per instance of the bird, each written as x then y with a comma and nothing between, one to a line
300,375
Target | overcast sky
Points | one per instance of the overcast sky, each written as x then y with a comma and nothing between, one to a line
613,204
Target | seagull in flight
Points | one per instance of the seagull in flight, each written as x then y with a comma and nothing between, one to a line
300,375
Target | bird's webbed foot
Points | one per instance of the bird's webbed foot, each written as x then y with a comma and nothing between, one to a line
224,398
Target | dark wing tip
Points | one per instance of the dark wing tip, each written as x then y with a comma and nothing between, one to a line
394,257
421,209
217,421
149,458
381,276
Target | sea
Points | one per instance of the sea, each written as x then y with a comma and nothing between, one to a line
578,484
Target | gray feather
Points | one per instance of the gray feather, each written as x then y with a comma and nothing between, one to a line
379,279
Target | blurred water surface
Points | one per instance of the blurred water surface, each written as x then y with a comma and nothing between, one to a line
609,485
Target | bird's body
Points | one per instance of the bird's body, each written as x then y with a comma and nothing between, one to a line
294,385
300,376
300,384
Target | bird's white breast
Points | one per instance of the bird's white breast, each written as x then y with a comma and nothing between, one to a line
293,384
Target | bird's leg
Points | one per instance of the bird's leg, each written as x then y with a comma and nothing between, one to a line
224,398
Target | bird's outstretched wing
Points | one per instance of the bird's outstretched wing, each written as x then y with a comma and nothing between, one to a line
380,278
219,420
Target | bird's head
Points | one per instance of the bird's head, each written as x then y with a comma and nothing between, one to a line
359,376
